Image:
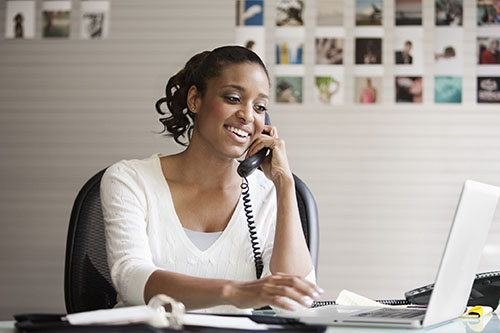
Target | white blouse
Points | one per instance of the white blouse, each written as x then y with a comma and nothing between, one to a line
144,234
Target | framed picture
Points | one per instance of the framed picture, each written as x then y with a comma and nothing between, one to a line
448,89
288,89
368,12
368,89
488,89
408,89
250,12
449,12
289,13
368,51
56,19
488,13
20,19
408,12
329,51
94,20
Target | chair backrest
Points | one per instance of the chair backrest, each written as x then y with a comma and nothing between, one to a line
87,281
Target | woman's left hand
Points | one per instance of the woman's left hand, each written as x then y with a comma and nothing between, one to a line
275,164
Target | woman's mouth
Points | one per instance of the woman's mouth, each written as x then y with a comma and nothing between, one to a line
238,134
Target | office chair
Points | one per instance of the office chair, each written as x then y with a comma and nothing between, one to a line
87,280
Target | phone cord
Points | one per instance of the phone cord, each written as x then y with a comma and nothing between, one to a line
257,253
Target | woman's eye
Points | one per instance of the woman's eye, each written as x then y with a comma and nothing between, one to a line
233,99
261,108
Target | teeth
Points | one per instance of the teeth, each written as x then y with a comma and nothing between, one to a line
238,131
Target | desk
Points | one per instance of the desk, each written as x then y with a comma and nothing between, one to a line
455,326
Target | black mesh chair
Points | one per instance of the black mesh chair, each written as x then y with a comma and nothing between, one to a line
87,281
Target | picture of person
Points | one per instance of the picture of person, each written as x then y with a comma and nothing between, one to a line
19,19
404,56
449,12
488,12
289,89
368,93
368,12
368,51
409,89
448,52
289,13
18,25
489,53
329,51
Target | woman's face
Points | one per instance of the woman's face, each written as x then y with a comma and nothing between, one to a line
231,113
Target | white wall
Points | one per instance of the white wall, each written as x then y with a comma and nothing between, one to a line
386,178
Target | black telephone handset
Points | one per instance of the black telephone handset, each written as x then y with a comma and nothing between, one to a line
248,166
485,291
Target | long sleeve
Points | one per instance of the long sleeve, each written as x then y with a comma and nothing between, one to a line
124,206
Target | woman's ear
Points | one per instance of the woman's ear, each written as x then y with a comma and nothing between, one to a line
193,99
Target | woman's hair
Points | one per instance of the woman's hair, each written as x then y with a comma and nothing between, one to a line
197,71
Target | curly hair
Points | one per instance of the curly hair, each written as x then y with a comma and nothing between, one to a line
178,121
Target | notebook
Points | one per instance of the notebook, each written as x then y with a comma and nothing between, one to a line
455,276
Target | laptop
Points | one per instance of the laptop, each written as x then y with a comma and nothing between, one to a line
455,276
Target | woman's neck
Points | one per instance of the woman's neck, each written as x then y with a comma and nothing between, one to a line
198,166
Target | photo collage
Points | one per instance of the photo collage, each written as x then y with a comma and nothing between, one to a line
369,33
56,19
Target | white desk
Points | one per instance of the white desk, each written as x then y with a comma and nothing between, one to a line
489,324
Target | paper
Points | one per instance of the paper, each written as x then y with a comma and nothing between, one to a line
133,314
193,319
347,297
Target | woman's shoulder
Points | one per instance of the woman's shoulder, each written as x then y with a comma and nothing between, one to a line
132,168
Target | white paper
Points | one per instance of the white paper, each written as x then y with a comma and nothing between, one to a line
126,315
347,297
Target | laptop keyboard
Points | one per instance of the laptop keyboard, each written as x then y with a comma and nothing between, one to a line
392,313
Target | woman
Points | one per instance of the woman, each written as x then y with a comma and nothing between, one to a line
175,224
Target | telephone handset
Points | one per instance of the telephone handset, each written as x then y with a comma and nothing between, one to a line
248,166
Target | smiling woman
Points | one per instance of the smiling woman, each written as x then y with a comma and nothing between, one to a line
176,224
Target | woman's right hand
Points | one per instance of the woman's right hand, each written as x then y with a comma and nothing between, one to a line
272,290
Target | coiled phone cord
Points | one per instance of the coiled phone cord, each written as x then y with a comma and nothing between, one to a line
257,253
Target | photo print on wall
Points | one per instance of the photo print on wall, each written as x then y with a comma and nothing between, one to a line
368,89
20,19
409,89
288,89
249,12
488,12
94,19
408,12
368,12
329,13
488,89
449,12
448,89
488,50
289,13
329,84
56,19
368,51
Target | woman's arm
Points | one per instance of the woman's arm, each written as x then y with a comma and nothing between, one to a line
290,253
197,293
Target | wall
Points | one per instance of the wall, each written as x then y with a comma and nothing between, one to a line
386,178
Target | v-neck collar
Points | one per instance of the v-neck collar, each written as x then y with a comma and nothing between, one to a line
178,225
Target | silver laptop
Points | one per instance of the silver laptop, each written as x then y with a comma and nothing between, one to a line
455,276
